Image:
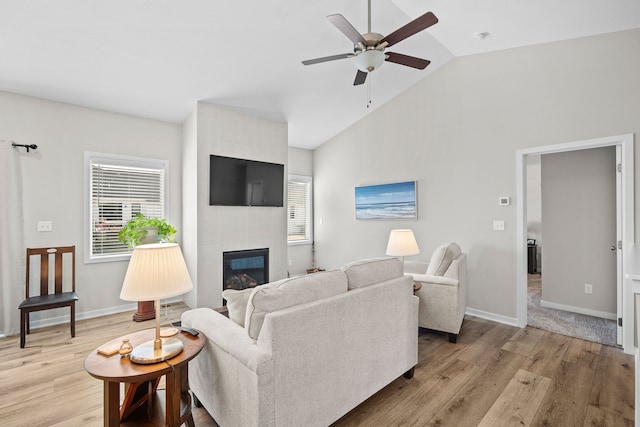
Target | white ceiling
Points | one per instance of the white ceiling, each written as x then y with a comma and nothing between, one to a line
157,58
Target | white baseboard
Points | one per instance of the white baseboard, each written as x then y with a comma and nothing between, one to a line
580,310
492,317
58,320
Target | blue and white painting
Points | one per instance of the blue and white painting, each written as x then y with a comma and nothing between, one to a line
387,201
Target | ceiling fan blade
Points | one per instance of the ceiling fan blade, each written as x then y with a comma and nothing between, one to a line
347,29
361,76
413,27
409,61
327,58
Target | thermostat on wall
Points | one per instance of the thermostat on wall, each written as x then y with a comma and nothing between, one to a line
505,201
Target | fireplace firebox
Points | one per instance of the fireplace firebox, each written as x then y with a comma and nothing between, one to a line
245,269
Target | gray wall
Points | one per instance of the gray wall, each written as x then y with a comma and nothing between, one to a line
53,181
456,132
299,255
579,225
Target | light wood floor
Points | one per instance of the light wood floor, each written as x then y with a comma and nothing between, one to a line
495,375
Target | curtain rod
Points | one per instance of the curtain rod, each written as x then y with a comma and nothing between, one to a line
27,146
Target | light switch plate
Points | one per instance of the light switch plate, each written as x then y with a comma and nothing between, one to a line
45,226
504,201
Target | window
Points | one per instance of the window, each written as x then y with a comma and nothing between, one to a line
299,210
117,188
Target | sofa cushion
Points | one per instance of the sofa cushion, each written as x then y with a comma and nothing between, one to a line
289,292
237,303
370,271
441,259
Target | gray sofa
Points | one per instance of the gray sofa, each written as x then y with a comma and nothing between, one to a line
310,349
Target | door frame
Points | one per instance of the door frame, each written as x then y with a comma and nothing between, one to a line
624,201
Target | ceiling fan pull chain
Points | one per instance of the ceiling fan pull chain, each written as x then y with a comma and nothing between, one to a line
369,90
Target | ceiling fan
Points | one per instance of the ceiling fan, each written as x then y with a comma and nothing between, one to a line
369,48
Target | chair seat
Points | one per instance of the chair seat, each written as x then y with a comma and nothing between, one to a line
63,298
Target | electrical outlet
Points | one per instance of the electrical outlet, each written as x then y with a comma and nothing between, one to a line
290,263
588,289
498,225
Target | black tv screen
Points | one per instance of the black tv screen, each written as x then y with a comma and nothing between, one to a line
240,182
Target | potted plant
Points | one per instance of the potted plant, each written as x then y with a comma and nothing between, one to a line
136,230
139,230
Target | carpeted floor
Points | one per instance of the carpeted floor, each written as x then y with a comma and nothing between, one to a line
567,323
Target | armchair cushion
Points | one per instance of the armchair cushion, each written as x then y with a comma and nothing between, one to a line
441,259
237,303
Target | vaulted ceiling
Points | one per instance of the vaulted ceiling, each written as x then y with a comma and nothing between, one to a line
157,58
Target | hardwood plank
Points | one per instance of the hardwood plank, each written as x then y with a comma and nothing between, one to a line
88,419
547,354
485,347
613,386
583,353
598,418
471,403
431,394
518,402
568,396
524,341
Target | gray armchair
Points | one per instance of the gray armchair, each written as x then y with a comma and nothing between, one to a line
443,296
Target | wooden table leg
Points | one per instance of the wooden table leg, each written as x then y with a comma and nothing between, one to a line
177,385
172,399
111,404
184,389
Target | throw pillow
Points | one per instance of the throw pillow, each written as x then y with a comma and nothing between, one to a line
237,303
289,292
441,259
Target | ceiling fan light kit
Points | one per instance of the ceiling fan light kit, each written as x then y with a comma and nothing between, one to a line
369,60
369,48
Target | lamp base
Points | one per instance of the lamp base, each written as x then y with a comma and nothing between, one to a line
146,354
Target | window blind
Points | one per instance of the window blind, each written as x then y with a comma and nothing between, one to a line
299,209
117,193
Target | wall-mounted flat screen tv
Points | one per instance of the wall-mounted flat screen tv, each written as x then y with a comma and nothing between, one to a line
241,182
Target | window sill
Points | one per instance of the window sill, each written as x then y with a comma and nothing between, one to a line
299,242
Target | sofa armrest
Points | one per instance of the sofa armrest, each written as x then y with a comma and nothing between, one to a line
227,335
438,280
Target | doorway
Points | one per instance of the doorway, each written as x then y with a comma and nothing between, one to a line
625,226
571,226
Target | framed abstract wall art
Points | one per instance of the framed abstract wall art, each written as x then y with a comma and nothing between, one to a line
387,201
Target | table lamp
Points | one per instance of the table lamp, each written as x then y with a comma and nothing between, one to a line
402,243
156,271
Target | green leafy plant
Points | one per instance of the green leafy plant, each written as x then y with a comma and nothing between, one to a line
136,229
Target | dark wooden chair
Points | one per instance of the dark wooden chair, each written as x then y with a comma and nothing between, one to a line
47,298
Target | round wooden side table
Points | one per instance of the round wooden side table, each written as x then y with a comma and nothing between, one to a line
171,407
416,287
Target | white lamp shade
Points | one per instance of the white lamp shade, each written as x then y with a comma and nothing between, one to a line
155,272
402,243
369,60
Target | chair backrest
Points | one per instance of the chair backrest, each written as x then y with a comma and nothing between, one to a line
45,254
